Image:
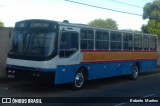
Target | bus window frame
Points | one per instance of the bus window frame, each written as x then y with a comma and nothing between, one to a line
155,43
116,41
123,41
75,49
87,39
102,40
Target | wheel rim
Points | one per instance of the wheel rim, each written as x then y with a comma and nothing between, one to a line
135,72
79,79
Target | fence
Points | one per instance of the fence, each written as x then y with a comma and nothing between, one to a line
5,44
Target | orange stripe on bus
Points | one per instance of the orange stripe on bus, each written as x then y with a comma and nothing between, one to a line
113,56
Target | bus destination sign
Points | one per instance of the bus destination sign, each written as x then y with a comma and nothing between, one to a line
36,25
39,25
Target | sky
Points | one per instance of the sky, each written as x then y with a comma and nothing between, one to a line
59,10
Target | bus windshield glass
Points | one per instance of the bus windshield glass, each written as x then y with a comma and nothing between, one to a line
29,44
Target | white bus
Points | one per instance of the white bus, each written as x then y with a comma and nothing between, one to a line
60,52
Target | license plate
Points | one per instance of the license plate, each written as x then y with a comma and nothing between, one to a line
11,76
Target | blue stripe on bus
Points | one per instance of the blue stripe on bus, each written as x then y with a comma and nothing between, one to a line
65,74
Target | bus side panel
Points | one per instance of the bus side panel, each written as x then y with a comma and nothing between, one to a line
118,68
97,70
109,69
65,74
121,68
148,65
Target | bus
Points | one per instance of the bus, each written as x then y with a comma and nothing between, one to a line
63,52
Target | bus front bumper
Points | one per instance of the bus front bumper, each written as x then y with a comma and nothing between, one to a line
30,74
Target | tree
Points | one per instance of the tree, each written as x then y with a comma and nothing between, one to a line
151,11
101,23
1,24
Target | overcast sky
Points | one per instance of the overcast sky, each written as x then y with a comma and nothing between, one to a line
59,10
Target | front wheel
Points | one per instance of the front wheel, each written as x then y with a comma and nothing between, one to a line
135,73
78,81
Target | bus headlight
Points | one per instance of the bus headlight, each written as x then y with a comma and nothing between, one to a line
13,71
9,71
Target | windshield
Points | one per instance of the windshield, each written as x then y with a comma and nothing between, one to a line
33,44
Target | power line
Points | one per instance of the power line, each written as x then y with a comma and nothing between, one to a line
148,1
103,8
126,4
93,3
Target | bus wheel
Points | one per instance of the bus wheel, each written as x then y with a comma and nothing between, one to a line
135,73
78,81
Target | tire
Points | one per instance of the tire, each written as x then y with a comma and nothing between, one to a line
78,81
135,73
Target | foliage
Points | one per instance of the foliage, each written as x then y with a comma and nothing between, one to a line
101,23
1,24
151,11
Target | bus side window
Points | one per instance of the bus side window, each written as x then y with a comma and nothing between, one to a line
87,39
145,42
153,43
68,43
137,42
116,40
102,40
127,41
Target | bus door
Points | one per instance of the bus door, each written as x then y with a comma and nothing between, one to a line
68,56
68,43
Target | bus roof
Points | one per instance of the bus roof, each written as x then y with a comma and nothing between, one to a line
105,29
66,23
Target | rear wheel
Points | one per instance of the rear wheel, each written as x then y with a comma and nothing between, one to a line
135,73
78,81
